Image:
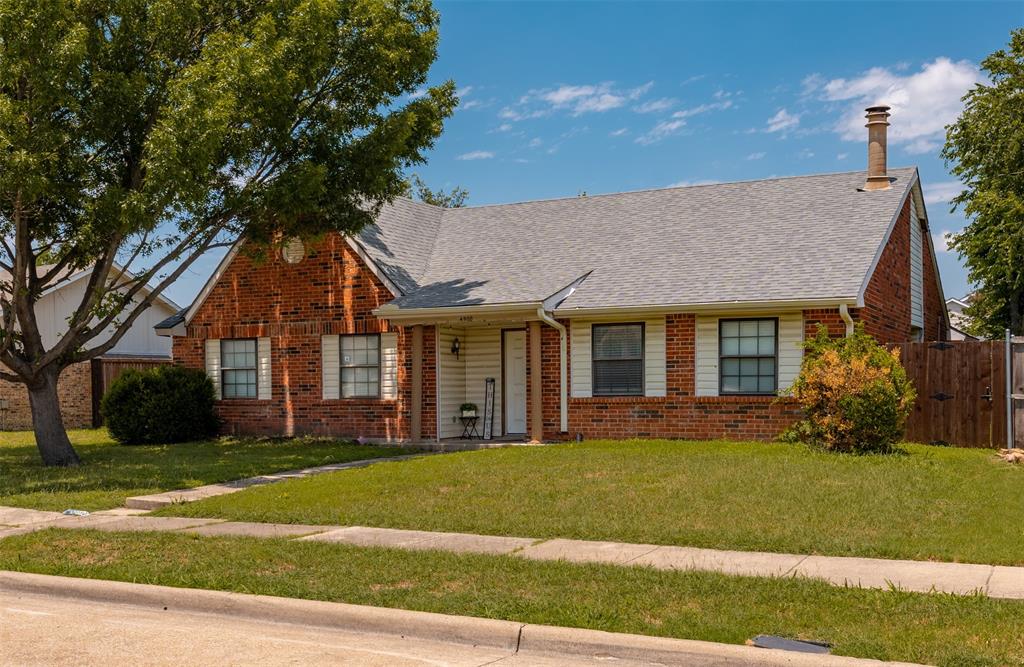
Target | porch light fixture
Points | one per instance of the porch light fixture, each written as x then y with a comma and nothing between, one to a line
456,346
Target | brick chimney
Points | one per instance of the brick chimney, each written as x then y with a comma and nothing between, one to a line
878,121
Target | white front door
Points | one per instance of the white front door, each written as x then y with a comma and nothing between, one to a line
515,382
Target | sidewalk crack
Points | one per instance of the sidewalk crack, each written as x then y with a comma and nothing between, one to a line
795,566
646,553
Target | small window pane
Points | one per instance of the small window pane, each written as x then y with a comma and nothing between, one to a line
747,350
618,359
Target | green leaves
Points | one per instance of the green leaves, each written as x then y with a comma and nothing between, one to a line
985,147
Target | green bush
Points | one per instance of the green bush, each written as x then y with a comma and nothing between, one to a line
855,394
163,404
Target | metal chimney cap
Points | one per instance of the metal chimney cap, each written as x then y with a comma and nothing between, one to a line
878,108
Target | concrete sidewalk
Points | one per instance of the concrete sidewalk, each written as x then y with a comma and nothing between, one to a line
921,576
109,622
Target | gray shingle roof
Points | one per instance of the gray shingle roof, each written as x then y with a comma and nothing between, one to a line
798,238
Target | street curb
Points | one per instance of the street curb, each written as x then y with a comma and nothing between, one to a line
667,651
311,613
507,635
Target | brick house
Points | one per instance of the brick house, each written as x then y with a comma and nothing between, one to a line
664,313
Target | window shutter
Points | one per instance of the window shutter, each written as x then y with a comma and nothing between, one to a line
213,364
330,361
263,375
389,365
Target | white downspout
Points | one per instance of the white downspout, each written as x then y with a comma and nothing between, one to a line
844,312
563,408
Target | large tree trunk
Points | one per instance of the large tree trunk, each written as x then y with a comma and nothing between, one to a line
51,438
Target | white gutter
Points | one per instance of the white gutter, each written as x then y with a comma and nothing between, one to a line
844,312
563,407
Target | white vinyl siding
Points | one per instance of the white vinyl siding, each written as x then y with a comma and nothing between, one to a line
790,351
451,382
581,349
330,355
482,351
389,366
263,371
916,270
654,357
213,364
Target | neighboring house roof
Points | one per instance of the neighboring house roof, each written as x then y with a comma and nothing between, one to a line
802,238
69,276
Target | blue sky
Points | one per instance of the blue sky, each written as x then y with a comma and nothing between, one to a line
559,98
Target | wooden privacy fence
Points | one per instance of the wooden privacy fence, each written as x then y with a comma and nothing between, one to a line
961,392
107,369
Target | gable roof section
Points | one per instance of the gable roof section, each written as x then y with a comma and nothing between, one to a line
798,239
795,240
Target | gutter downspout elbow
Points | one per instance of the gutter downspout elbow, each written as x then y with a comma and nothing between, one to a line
844,312
563,407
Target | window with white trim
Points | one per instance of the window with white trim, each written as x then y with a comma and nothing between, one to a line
238,368
360,366
748,356
617,359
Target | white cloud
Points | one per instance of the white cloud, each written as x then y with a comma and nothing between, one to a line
619,132
922,102
476,155
471,104
676,123
783,121
756,156
842,156
941,192
941,240
665,128
576,99
805,154
535,142
687,184
656,106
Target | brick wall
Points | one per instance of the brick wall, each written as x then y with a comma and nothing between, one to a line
329,292
679,414
74,389
935,326
886,312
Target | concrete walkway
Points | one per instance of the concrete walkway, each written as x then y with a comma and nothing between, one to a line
158,500
922,576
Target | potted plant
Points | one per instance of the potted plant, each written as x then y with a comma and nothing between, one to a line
468,409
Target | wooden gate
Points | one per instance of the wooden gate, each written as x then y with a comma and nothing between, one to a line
107,369
961,392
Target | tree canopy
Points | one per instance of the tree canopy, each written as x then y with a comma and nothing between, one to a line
136,135
985,147
454,198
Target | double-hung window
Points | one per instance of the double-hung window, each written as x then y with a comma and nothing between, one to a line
238,368
360,366
748,356
618,359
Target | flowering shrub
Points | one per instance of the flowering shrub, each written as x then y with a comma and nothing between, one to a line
855,394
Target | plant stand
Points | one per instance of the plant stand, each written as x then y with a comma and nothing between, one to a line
469,430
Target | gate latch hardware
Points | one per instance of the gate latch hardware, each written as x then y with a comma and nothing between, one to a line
942,397
988,394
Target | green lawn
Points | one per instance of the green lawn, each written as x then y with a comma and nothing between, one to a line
931,628
112,472
929,503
